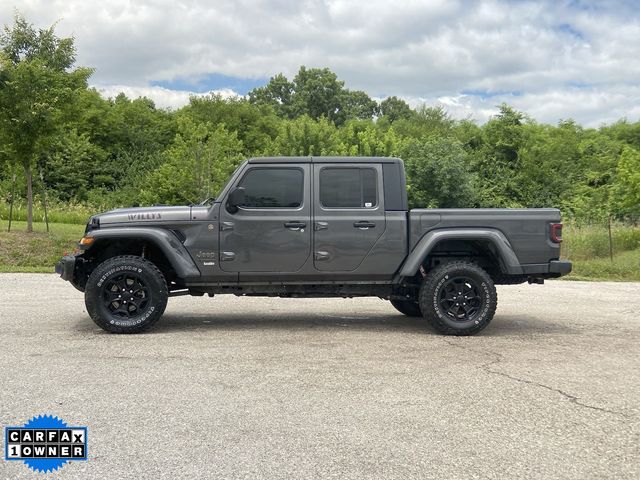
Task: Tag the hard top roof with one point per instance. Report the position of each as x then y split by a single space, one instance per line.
324 160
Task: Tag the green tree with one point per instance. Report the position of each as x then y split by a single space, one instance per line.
426 122
305 136
198 162
394 108
469 133
73 167
590 198
364 138
317 93
623 131
438 174
38 86
498 162
626 191
549 164
276 94
255 125
356 104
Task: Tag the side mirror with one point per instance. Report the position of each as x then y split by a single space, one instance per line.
236 199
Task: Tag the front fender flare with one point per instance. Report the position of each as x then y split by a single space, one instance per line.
165 240
509 262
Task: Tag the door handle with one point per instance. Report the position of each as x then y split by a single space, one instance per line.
364 225
295 225
227 256
320 226
320 256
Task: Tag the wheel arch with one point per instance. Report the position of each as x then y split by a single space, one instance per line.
160 246
491 242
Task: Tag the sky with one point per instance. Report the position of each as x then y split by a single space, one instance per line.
554 60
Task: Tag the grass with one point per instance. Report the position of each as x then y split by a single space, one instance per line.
586 246
63 214
36 252
624 268
592 241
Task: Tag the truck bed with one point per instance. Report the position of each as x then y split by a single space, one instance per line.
526 228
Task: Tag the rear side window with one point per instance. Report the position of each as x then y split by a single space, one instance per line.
273 187
348 187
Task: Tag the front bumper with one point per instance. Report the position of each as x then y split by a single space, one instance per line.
66 267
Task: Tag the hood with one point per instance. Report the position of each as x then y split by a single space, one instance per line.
144 215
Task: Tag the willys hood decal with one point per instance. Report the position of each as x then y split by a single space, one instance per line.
145 214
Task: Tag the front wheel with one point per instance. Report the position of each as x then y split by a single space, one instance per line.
458 298
126 294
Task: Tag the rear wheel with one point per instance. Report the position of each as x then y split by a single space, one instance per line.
408 307
458 298
126 294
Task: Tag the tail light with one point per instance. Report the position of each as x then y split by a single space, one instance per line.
556 232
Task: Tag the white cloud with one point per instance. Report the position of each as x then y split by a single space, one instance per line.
592 107
162 97
555 59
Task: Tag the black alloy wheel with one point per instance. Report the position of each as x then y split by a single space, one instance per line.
458 298
126 294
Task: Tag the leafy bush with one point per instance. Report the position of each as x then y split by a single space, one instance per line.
438 174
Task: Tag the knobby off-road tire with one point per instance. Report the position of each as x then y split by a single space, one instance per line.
408 307
126 294
458 298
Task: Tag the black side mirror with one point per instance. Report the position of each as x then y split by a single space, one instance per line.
236 199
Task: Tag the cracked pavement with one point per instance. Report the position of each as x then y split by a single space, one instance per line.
318 388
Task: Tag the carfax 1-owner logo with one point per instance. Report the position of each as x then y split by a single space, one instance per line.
45 443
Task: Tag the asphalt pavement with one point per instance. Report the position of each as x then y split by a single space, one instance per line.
255 388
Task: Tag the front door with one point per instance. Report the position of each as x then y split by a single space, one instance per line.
349 214
271 232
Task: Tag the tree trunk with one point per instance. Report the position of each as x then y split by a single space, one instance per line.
27 171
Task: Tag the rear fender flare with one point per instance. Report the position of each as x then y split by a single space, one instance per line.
509 262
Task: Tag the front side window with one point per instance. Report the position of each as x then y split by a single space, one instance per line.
348 187
273 188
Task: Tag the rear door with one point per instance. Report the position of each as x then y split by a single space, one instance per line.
270 233
349 214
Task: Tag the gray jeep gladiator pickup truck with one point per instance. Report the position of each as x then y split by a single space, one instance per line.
313 227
